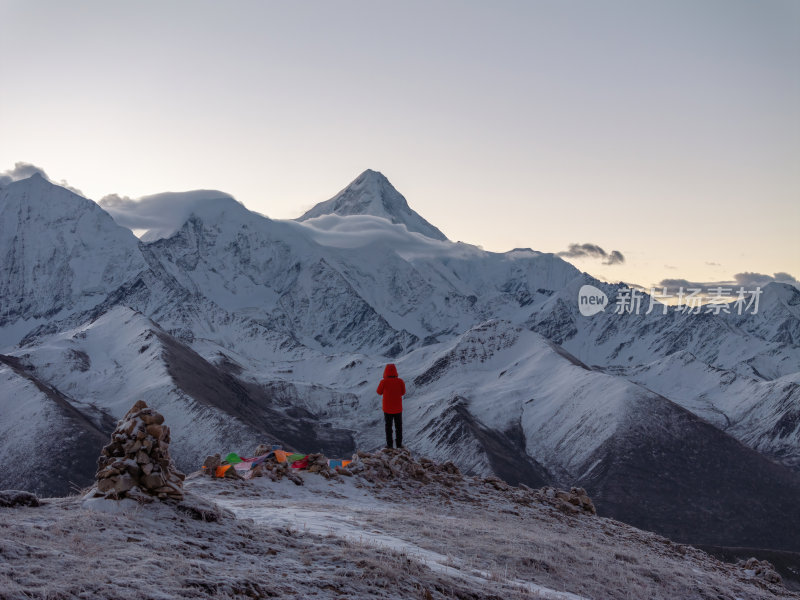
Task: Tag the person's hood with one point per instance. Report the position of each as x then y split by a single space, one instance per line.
390 370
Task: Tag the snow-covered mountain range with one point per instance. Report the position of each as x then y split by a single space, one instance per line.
238 327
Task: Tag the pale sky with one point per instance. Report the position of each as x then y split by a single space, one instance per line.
666 130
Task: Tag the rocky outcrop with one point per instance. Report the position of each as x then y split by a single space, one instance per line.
10 498
576 500
136 464
397 465
760 569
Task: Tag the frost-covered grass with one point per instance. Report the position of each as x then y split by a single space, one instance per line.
348 539
65 551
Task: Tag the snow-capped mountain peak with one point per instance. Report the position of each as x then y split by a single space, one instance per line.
371 193
62 254
785 294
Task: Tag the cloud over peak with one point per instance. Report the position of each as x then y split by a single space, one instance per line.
161 214
24 170
614 257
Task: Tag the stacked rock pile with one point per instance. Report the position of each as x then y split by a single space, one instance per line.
276 471
136 464
399 465
317 463
213 462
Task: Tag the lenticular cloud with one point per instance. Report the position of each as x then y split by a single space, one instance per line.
160 214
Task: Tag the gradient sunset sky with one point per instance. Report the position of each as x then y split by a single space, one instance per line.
668 131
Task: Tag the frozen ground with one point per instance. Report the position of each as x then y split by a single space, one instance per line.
349 538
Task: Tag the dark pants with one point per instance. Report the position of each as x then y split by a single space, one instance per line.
398 428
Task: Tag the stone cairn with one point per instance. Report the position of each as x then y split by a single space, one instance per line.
136 464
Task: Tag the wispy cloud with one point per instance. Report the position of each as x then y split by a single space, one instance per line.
363 231
755 279
23 170
614 257
747 280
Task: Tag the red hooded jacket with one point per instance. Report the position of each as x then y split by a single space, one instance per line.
392 388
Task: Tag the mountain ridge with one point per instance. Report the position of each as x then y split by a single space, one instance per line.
301 316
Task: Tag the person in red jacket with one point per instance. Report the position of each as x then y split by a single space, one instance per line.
392 388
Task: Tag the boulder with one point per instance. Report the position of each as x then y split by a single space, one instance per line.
153 481
151 417
123 483
10 498
156 431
